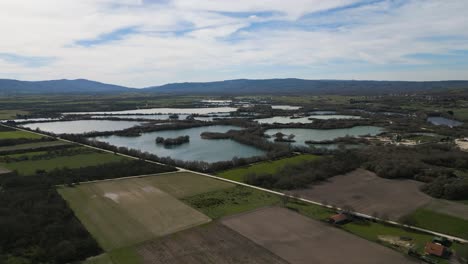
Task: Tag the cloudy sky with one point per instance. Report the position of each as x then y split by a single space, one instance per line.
149 42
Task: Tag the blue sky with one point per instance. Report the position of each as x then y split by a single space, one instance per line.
141 43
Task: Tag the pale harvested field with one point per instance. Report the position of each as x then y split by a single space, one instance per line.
3 171
213 243
301 240
463 145
125 212
186 184
367 193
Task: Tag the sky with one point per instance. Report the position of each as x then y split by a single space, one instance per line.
140 43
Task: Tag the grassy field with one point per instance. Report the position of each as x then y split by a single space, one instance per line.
371 231
119 256
231 201
310 210
33 146
29 167
125 212
185 184
440 222
264 167
18 134
11 114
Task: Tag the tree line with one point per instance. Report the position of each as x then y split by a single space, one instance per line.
301 175
36 224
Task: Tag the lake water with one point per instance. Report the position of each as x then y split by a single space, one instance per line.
304 134
322 112
34 119
148 117
328 116
286 107
200 111
81 126
442 121
302 120
197 149
165 117
283 120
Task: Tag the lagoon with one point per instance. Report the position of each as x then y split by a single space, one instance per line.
442 121
81 126
197 149
200 111
305 134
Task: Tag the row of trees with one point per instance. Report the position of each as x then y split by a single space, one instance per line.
173 141
305 173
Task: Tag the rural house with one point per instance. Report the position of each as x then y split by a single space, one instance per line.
339 219
436 250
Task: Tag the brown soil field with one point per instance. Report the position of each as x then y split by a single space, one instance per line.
301 240
213 243
367 193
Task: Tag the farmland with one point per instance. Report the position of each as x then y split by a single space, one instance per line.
213 243
270 167
440 222
231 201
11 114
185 184
122 213
364 192
33 146
298 239
18 134
29 167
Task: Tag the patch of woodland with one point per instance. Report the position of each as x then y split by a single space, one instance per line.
36 224
435 164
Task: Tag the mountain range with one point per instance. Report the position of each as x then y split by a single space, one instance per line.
229 87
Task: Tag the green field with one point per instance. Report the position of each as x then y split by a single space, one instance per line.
29 167
118 256
440 222
11 114
310 210
18 134
33 146
125 212
231 201
185 184
268 167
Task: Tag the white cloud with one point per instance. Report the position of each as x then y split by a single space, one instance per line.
212 45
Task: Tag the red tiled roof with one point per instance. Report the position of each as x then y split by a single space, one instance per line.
338 218
434 249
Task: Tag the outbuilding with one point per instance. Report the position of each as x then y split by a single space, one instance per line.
436 250
339 219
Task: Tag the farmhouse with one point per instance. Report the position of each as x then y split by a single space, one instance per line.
339 219
436 250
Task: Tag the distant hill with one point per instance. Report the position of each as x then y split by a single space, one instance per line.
231 87
299 86
15 87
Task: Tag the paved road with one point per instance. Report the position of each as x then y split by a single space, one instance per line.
461 240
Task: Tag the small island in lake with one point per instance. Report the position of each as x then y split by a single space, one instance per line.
173 141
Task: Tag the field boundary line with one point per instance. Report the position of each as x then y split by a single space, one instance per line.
120 179
369 217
